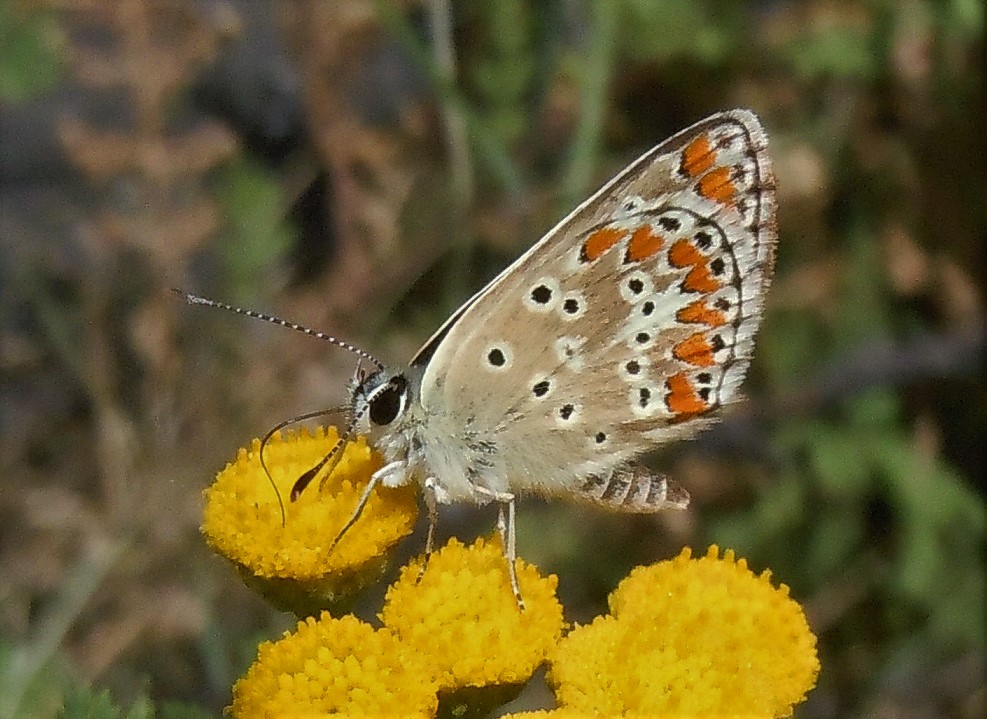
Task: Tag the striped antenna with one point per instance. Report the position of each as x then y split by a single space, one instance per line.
196 300
270 435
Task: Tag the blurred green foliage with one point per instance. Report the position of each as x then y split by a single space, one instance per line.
30 62
257 237
663 30
30 691
846 53
502 66
92 704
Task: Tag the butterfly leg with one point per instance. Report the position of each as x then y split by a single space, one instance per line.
507 538
360 505
433 518
392 475
505 527
433 515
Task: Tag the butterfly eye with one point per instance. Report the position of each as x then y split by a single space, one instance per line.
386 405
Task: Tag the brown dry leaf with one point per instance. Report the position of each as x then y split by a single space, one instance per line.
957 293
907 263
167 234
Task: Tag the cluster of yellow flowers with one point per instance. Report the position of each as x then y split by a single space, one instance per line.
685 637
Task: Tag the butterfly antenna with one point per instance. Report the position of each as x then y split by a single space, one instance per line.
196 300
270 434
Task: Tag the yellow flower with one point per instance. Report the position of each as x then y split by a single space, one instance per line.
690 638
462 617
550 714
684 638
340 666
579 714
458 629
295 564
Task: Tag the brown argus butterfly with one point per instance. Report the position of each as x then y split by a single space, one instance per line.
626 326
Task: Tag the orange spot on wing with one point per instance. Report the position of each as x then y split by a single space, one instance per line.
717 186
601 241
682 398
699 313
695 350
644 244
684 254
697 157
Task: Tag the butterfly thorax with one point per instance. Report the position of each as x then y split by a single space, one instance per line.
422 445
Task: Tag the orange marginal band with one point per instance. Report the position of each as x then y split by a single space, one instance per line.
682 398
698 313
601 241
696 350
644 244
717 186
684 254
697 157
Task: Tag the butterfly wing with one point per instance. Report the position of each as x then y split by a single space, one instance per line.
627 325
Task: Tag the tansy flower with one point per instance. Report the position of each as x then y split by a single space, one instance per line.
338 666
448 636
294 564
462 618
684 638
690 638
578 714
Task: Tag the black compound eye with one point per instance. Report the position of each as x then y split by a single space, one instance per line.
386 405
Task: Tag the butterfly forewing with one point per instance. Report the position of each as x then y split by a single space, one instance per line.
627 325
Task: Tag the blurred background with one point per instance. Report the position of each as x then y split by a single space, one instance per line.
363 167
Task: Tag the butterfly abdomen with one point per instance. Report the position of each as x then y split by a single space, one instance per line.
633 488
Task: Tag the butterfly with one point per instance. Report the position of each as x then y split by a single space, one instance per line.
627 326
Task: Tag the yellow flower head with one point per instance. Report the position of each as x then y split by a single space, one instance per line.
338 666
463 620
579 714
552 714
690 638
687 637
458 629
295 564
